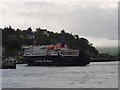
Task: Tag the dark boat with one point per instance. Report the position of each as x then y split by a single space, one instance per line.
54 55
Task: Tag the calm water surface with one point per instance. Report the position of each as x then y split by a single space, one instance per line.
95 75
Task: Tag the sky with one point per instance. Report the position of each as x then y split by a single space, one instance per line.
96 21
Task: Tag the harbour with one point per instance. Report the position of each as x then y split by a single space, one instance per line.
59 45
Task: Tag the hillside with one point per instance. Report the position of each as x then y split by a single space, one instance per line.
13 39
110 50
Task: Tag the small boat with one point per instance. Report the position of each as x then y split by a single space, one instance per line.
9 63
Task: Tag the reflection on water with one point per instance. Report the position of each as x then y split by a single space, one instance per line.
95 75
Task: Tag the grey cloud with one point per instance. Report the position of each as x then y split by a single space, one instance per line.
97 20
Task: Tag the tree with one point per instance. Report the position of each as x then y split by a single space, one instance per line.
29 30
73 41
76 36
63 31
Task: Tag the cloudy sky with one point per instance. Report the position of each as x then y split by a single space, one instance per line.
96 21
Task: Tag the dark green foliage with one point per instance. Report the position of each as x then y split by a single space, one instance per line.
14 39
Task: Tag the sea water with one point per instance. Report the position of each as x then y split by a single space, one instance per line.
94 75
